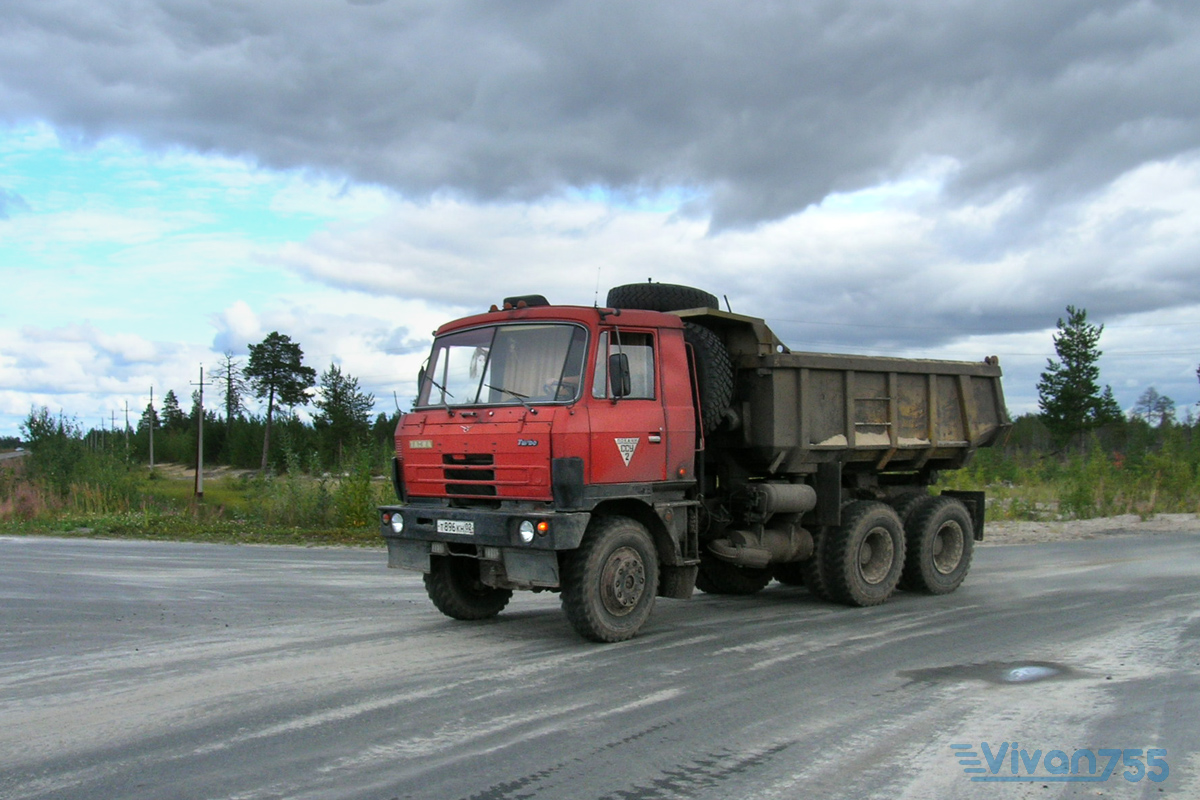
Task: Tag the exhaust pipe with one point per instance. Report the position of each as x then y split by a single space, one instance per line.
758 550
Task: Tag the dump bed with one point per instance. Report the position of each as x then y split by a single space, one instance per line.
793 411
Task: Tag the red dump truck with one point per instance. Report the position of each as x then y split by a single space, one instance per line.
659 444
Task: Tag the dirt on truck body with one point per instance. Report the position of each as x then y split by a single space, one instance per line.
658 444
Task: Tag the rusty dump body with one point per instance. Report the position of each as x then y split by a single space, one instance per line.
793 411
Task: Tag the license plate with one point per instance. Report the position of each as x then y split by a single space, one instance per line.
455 526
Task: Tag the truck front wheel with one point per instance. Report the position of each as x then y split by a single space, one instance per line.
864 557
610 582
454 587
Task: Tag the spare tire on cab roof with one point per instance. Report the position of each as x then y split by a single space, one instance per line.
659 297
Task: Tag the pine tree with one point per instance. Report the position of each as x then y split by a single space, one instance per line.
149 418
1069 392
172 415
344 410
277 374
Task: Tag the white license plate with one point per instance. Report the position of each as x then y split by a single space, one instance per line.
455 526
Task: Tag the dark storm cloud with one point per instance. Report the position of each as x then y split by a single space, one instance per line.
761 109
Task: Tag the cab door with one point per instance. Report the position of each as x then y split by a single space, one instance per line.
628 436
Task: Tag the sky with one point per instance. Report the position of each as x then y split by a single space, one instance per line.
895 177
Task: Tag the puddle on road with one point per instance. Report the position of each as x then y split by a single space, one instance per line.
1003 673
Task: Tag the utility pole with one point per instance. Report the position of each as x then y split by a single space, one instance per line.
126 428
200 439
152 427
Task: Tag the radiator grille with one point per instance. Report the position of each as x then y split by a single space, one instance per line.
469 474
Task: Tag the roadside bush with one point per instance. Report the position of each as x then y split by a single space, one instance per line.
356 496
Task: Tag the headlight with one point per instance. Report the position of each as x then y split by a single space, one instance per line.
397 523
526 531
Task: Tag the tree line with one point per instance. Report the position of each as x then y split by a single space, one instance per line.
275 373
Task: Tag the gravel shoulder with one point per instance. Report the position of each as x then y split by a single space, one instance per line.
1009 532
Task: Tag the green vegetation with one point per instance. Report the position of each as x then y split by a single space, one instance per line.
1125 467
64 488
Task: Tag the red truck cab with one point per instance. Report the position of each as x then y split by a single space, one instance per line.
532 421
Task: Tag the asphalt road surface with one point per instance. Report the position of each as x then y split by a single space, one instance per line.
158 670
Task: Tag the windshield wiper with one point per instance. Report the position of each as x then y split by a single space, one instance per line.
521 398
445 393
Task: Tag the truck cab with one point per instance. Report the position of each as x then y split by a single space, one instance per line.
530 422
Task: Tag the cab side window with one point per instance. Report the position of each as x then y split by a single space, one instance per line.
639 349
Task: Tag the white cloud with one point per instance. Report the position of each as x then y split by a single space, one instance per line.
237 327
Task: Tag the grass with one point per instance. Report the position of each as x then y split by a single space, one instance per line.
63 489
1096 483
247 509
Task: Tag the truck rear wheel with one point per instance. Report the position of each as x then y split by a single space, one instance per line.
610 582
814 577
941 541
454 587
721 577
864 558
659 297
907 503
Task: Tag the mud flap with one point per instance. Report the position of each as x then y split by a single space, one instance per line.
408 554
531 567
677 583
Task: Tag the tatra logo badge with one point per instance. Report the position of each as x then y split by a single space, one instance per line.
627 447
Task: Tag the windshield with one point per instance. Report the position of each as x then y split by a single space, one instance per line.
505 364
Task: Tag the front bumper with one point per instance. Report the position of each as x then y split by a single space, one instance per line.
493 527
495 539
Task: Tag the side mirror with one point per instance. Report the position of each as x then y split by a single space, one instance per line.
620 382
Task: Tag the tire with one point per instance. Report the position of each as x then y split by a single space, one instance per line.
812 569
906 503
721 577
454 587
714 374
864 557
610 582
941 541
789 574
659 297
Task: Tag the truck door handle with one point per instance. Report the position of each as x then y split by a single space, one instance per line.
655 438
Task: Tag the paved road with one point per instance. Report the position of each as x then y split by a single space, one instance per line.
156 670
